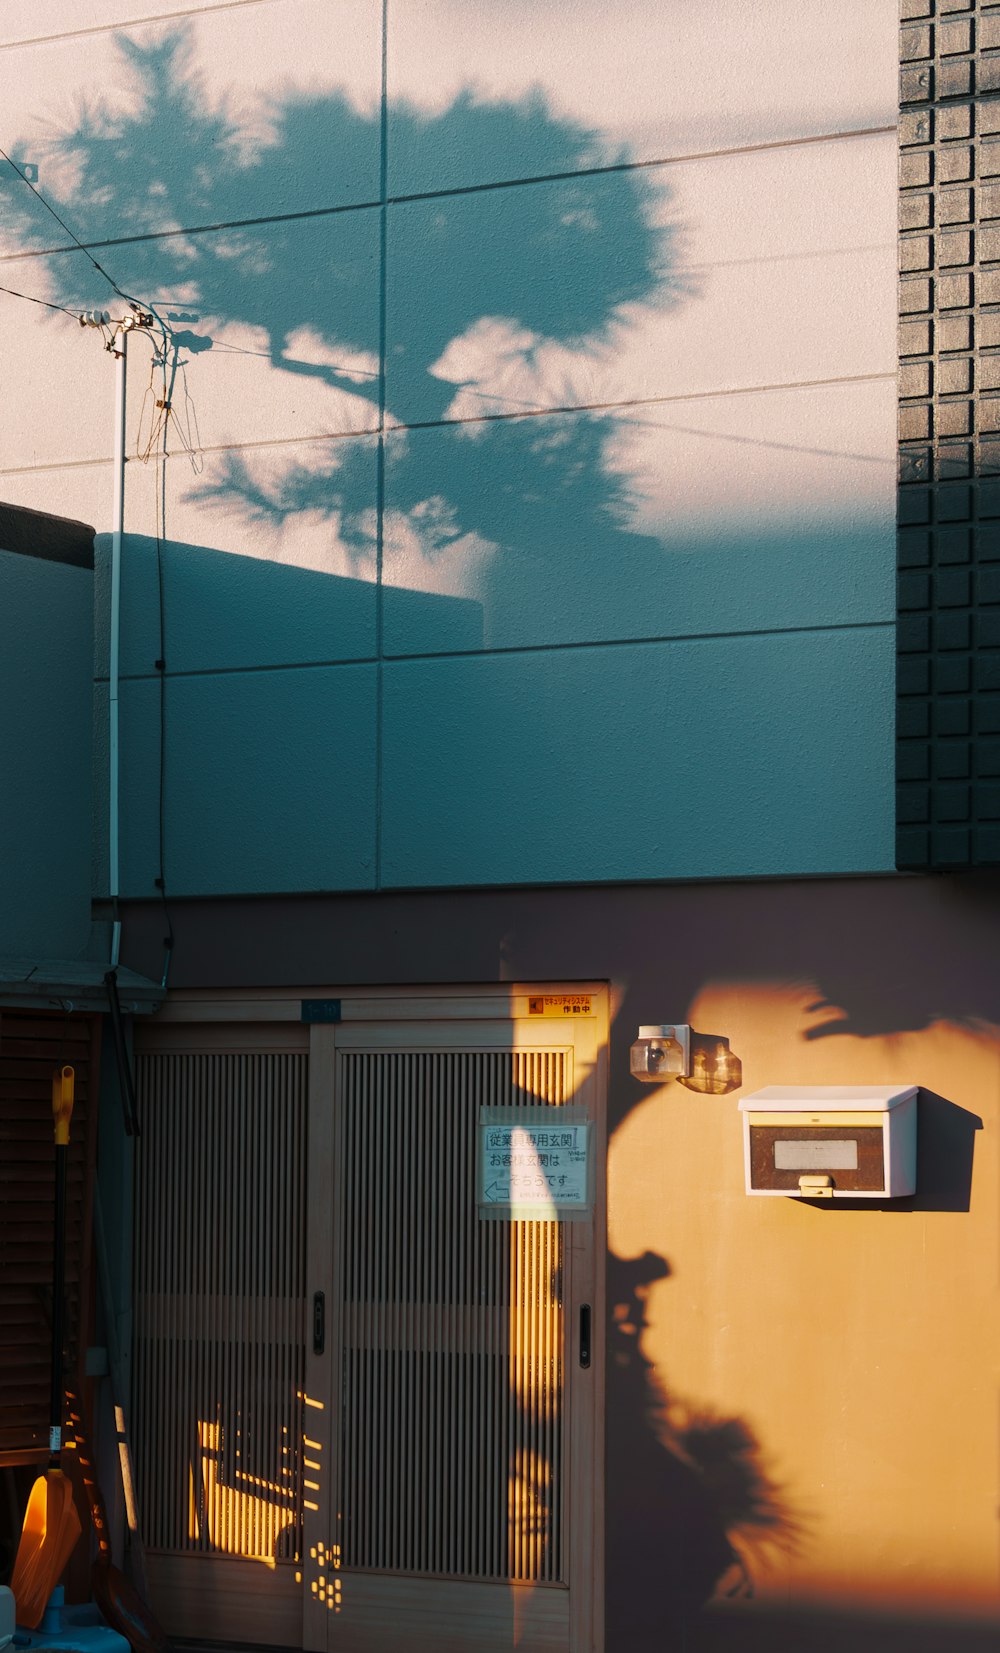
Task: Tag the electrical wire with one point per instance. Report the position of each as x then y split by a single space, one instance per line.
158 408
65 227
47 303
129 298
161 415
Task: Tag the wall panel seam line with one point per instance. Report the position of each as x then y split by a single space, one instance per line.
135 23
561 411
444 194
786 258
512 649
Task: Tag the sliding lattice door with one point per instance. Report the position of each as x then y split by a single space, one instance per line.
452 1330
219 1345
360 1415
457 1488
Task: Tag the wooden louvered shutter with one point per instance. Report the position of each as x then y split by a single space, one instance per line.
32 1044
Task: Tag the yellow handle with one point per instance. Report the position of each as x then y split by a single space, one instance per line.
63 1082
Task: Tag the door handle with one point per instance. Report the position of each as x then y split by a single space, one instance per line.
319 1322
584 1335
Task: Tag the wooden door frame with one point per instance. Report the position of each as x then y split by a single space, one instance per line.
499 1006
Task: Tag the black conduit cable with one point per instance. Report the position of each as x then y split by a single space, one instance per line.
160 530
126 1085
161 665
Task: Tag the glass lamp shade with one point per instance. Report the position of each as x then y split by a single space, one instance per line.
656 1057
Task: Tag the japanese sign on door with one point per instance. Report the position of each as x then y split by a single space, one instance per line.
534 1164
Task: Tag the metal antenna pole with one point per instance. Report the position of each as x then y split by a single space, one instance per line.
118 527
118 345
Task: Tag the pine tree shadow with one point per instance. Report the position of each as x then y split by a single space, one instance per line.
699 1514
224 228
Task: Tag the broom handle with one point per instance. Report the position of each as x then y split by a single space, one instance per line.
58 1287
63 1084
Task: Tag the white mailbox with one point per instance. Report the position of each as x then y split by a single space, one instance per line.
853 1142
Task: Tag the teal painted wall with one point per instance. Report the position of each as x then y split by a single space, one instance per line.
539 518
46 653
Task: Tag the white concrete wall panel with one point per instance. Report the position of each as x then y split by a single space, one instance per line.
430 416
507 761
641 83
249 754
725 514
28 21
46 644
241 587
277 335
751 269
208 114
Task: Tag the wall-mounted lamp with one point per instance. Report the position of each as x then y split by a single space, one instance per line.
662 1051
699 1061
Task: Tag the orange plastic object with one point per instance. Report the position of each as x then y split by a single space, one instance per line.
48 1536
63 1087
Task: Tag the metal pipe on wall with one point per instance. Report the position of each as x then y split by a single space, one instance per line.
118 528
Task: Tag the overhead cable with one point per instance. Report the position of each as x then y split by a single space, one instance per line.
31 299
112 283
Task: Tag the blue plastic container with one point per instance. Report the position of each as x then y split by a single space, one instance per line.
80 1628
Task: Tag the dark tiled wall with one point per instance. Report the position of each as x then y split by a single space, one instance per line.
948 683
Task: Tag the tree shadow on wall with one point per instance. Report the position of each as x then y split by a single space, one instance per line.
563 267
547 279
697 1512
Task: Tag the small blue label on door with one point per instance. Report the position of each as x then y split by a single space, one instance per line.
321 1010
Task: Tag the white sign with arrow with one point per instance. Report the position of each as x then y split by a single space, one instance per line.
531 1168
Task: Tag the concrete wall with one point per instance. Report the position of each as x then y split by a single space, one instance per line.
46 655
577 322
816 1387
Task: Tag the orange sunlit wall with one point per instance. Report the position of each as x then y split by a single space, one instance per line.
851 1353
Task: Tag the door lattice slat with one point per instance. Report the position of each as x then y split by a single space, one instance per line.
220 1301
452 1328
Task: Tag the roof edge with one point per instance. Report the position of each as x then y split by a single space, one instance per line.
74 984
48 538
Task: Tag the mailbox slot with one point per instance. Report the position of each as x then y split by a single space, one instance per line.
780 1154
